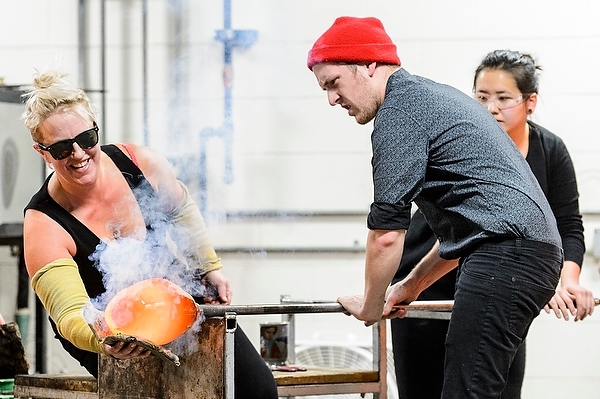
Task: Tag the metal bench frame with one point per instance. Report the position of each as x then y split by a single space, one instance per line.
80 387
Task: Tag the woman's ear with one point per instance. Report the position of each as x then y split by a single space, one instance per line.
44 154
531 103
37 148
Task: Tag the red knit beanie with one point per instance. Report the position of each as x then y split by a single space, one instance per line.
354 40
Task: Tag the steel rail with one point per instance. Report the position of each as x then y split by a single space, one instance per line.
312 307
297 307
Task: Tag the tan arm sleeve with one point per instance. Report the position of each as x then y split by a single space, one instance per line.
191 235
61 290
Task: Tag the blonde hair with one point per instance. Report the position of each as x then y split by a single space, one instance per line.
51 94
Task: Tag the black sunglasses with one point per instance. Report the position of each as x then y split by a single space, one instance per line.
64 148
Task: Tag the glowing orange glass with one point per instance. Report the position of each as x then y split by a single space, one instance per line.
155 310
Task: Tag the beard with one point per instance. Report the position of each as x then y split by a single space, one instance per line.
369 104
367 115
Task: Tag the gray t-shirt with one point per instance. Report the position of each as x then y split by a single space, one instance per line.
435 146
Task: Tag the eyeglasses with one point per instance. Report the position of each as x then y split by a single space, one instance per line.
64 148
502 102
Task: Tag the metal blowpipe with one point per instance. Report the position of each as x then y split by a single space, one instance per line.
316 307
320 307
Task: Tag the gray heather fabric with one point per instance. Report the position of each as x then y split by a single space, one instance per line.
434 145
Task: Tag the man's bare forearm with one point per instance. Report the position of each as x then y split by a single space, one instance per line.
430 269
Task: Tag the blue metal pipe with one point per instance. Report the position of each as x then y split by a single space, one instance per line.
230 39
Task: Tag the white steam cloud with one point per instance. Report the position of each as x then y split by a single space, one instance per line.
126 260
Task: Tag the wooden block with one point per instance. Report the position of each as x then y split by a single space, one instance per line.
56 386
200 375
12 353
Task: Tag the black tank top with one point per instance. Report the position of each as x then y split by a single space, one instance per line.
86 241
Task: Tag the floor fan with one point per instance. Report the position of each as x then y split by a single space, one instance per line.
344 356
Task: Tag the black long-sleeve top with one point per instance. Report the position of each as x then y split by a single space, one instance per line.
551 164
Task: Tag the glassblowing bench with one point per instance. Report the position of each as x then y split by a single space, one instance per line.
209 372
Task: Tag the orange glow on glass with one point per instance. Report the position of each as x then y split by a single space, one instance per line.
155 310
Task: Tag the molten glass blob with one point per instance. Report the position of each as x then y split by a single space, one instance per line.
155 310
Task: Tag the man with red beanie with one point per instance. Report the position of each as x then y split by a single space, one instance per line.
435 146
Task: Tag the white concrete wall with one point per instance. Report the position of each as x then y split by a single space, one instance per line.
292 152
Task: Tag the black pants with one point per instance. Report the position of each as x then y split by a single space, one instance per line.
419 353
252 377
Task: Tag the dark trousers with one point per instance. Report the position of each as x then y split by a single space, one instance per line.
419 353
253 379
501 287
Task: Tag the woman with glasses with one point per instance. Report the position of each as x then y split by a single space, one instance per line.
506 83
96 198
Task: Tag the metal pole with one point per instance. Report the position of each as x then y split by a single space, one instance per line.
40 337
324 307
145 71
229 355
104 129
81 53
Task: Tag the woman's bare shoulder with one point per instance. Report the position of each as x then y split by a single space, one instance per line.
44 241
